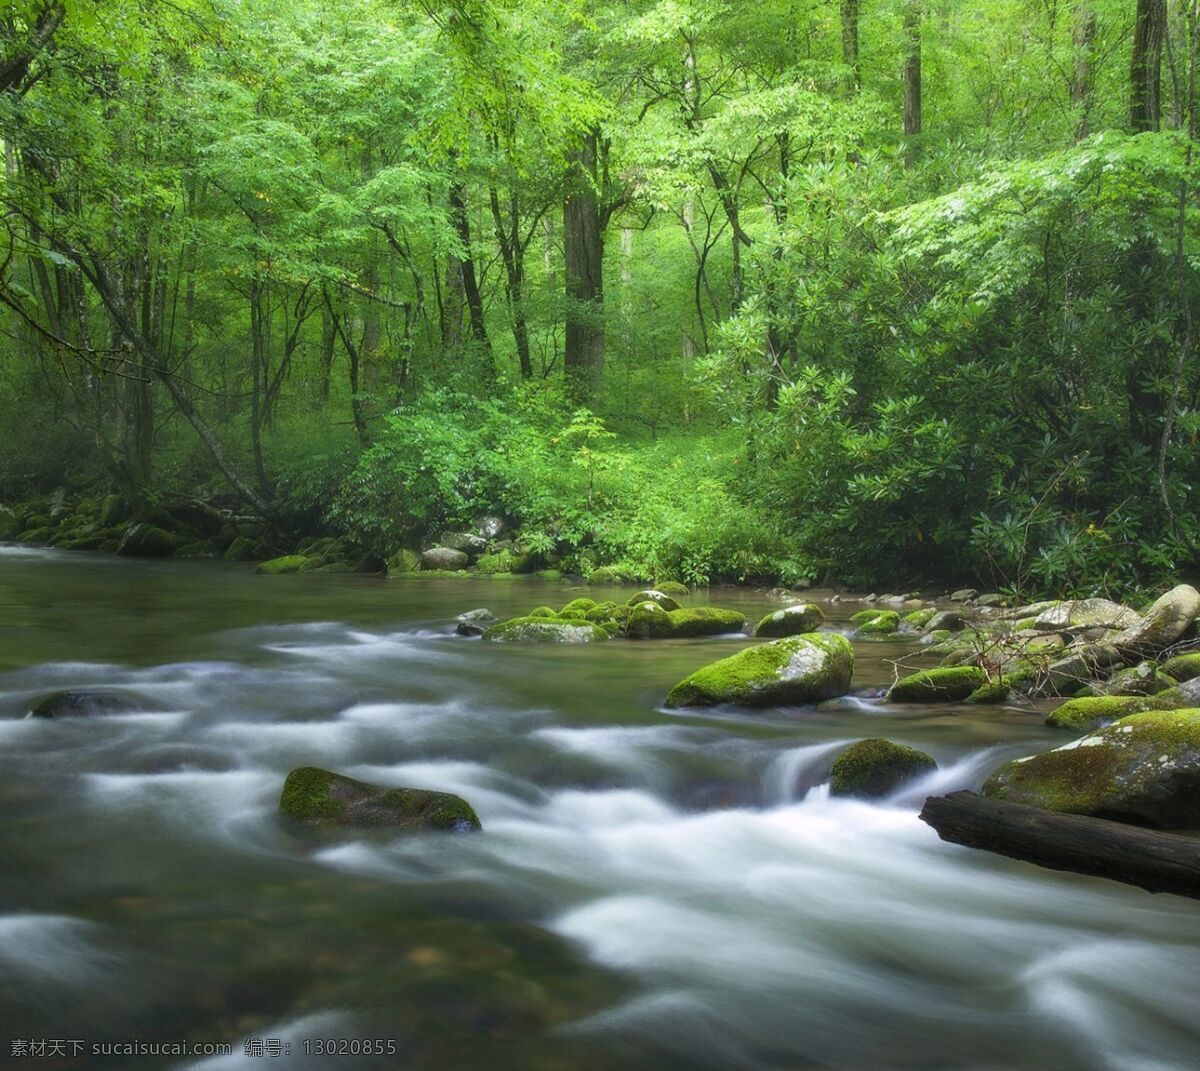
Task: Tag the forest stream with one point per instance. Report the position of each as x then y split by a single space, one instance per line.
651 889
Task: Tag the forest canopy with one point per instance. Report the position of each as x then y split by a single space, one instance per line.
898 290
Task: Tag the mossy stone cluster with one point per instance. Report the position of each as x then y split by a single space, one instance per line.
877 767
795 669
1144 768
790 621
649 621
320 797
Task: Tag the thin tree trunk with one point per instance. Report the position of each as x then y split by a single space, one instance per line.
850 39
1083 37
912 78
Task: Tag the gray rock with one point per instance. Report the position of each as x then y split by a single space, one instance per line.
446 558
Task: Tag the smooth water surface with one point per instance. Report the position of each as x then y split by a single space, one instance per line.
652 889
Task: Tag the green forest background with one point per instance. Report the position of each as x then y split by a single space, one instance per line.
896 290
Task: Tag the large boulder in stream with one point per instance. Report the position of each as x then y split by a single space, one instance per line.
544 630
1143 769
649 621
1162 623
796 669
445 559
877 767
791 621
322 798
82 705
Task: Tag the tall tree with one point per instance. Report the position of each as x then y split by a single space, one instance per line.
1145 69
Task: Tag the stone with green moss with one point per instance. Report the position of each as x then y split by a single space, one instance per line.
602 611
544 630
1091 712
1144 768
790 621
578 606
883 623
322 798
242 549
877 767
542 611
918 618
653 595
649 621
1184 667
1143 679
289 563
864 615
403 561
946 621
672 587
937 685
992 692
548 574
795 669
1162 623
605 574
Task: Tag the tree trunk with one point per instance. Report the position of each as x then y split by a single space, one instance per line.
850 39
1083 36
912 78
1145 71
583 242
466 265
1149 859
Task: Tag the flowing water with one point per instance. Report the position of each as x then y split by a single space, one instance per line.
652 889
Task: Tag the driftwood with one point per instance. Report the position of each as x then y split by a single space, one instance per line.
1148 858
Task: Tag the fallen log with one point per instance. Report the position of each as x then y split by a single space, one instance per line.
1147 858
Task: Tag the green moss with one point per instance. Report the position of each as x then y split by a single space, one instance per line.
605 574
883 623
649 621
877 767
504 561
289 563
545 630
864 615
992 692
549 574
790 621
796 669
937 685
1142 768
601 612
1090 712
578 606
403 561
542 611
653 595
919 618
320 797
672 587
1183 667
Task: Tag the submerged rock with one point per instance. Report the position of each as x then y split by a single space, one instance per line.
1143 769
877 767
544 630
796 669
83 705
320 797
444 558
289 563
938 685
791 621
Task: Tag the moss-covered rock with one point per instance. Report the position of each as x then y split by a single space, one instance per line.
1085 614
877 767
144 540
649 621
605 574
1184 667
653 595
113 510
242 549
996 691
544 630
403 561
1143 679
322 798
578 606
937 685
602 611
542 611
790 621
444 559
918 618
289 563
82 705
672 587
1091 712
796 669
946 621
1144 768
549 574
503 561
203 548
883 623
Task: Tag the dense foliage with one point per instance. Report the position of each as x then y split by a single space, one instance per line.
680 288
